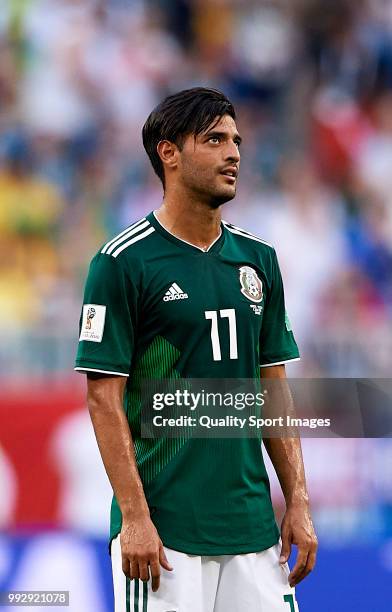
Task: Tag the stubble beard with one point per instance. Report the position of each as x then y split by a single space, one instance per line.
205 189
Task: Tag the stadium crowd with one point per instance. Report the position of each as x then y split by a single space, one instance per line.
312 85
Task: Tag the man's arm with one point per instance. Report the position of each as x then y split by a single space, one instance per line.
140 543
297 527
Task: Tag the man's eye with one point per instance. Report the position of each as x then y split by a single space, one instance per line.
214 139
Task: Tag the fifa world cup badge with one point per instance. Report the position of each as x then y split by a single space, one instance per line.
90 316
93 322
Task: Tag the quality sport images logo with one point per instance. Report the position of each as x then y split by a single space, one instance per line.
251 285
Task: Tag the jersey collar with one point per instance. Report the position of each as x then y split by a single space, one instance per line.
215 247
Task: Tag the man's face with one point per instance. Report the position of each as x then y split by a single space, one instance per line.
209 163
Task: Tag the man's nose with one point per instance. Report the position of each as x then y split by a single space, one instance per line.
232 152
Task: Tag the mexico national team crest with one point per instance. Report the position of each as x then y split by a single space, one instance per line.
251 285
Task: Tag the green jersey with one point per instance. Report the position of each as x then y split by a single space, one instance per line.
156 306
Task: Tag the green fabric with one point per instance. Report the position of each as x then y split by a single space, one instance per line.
136 596
127 594
145 596
175 311
290 600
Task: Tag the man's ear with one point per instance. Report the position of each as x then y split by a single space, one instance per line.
168 152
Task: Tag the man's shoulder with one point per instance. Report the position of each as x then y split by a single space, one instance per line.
248 240
134 240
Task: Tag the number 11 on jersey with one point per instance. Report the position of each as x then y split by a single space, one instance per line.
227 313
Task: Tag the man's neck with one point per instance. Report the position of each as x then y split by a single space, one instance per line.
194 222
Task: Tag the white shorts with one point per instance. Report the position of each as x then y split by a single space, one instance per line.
253 582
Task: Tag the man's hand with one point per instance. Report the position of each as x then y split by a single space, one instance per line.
142 551
297 528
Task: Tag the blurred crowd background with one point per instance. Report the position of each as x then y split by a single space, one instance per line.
312 85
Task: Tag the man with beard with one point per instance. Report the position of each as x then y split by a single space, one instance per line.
181 294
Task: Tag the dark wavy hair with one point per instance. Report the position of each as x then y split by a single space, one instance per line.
190 111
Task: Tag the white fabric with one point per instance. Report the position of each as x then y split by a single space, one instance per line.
253 582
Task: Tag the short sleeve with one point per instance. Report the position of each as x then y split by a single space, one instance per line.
277 343
108 319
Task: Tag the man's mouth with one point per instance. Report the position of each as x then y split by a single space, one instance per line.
230 173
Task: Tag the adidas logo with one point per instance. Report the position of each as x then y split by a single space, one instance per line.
174 293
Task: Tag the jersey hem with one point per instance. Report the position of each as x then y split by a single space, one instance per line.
267 365
202 550
83 369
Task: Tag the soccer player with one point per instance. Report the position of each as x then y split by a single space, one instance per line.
181 293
